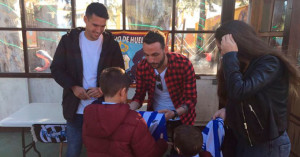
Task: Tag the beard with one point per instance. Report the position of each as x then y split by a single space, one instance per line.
161 62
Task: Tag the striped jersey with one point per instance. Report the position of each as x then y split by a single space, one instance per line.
213 135
156 123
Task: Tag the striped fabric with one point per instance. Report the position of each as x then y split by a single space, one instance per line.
156 123
49 133
213 135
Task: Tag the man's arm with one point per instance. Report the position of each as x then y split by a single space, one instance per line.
190 90
169 114
140 91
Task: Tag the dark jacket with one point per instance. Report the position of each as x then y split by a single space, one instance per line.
113 130
67 67
264 86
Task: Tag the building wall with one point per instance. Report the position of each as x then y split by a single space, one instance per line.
13 95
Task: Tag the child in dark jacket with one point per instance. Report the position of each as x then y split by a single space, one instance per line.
111 129
188 142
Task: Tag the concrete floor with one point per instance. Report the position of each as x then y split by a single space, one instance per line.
11 146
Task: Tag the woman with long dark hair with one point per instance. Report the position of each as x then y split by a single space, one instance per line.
254 83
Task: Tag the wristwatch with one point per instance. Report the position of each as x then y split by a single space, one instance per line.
175 114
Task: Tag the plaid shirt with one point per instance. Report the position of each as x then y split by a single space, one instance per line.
181 82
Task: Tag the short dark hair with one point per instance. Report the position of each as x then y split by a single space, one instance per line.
98 9
155 36
112 80
188 139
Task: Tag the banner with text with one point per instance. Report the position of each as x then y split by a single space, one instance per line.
131 44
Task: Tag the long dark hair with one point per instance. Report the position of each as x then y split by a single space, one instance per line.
250 46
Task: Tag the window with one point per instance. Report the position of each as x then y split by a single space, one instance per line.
29 36
11 52
10 14
201 49
273 18
242 10
191 18
148 14
41 46
198 15
48 14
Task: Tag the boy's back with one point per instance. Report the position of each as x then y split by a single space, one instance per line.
115 130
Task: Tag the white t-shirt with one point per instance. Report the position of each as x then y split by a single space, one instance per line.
90 54
162 99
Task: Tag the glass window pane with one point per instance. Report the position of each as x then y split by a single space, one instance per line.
41 48
11 52
169 42
48 14
279 15
276 42
114 8
198 14
10 13
242 10
273 21
148 14
201 49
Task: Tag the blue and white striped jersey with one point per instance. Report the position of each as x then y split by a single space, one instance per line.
213 136
156 123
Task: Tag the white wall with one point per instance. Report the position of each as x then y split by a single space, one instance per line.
16 92
207 100
44 90
13 95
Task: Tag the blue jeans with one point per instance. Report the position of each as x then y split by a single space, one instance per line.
74 136
278 147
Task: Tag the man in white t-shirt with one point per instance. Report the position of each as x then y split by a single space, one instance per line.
79 59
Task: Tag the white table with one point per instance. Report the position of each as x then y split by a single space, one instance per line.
34 113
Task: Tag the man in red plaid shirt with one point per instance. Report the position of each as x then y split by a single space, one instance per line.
170 81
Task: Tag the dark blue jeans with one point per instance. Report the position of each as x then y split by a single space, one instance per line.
278 147
74 136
